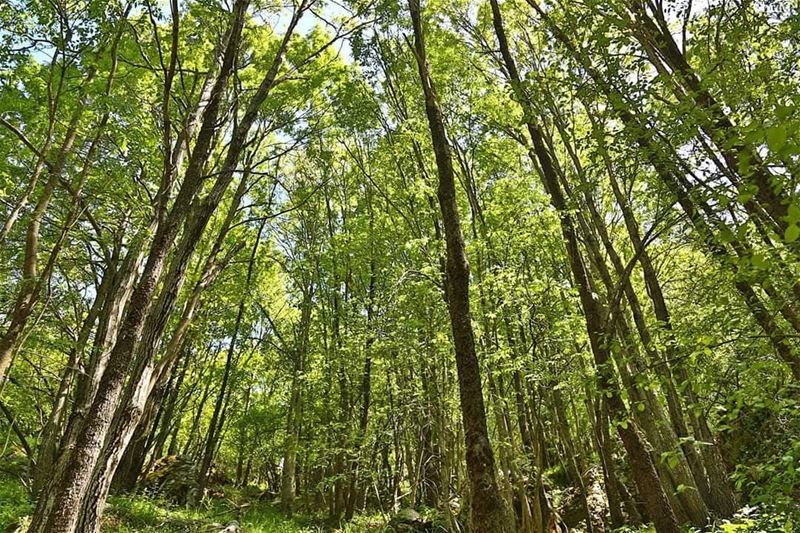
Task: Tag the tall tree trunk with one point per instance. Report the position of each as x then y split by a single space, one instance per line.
487 507
687 503
656 359
366 382
56 422
241 477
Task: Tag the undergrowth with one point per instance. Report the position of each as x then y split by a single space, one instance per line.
142 514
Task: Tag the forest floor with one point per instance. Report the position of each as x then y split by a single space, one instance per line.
141 514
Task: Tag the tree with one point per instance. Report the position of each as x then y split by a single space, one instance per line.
235 244
487 508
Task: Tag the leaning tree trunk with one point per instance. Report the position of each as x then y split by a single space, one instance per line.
721 497
32 282
638 449
662 50
668 171
217 421
58 511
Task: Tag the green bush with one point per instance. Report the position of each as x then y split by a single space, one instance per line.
14 503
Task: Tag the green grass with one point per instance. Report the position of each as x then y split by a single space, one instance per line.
127 514
141 514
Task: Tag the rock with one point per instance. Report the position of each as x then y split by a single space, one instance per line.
172 478
409 520
408 516
268 496
232 527
572 510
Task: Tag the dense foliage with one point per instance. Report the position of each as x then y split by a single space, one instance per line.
465 266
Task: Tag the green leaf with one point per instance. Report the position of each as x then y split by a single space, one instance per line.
784 111
726 235
792 233
759 261
793 216
776 138
672 461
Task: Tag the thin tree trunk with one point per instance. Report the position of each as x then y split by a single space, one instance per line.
241 479
366 387
721 497
289 472
714 122
643 136
31 285
215 426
